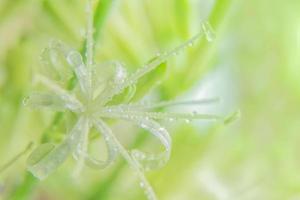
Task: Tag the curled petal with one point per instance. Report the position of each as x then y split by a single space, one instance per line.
82 72
130 159
110 144
153 161
110 75
54 62
47 157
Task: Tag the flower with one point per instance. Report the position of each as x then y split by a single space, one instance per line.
94 99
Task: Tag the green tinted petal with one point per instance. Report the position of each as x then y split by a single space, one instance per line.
54 61
47 158
46 100
116 75
75 60
150 161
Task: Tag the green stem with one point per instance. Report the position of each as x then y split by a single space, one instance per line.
16 158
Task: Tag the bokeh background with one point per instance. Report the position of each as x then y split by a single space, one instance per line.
252 65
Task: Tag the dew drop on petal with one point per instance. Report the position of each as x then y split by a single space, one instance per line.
191 44
25 101
142 184
171 119
74 58
208 31
187 121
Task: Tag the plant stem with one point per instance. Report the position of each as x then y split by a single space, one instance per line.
14 159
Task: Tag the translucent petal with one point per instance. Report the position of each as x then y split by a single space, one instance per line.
81 140
76 134
107 75
48 100
148 161
153 161
127 113
111 148
54 62
164 104
47 158
144 184
63 94
111 75
82 72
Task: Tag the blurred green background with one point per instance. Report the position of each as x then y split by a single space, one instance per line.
253 64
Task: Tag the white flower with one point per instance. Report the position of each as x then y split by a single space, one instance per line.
93 101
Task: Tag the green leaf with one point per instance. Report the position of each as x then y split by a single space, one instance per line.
149 81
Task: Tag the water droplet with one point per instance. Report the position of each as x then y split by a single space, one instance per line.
144 126
82 32
208 31
25 101
162 129
171 119
120 73
142 184
187 121
74 58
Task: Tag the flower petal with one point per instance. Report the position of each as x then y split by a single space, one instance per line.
153 161
111 75
82 72
127 113
47 158
131 161
48 100
106 75
54 62
164 104
63 94
111 148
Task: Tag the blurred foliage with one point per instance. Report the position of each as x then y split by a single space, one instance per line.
253 64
